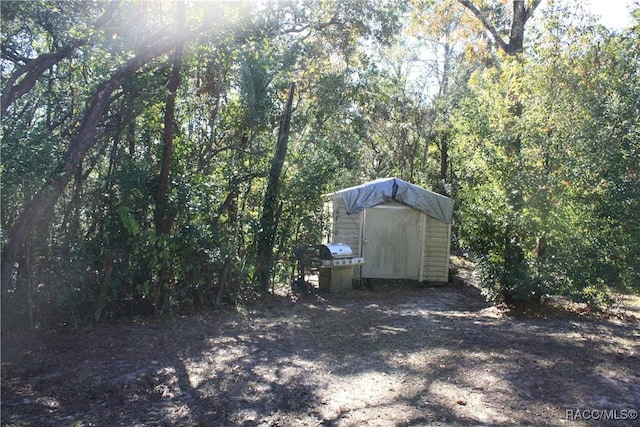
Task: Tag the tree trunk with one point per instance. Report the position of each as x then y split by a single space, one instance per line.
268 221
444 158
519 18
104 288
516 33
167 152
513 254
164 214
442 135
226 271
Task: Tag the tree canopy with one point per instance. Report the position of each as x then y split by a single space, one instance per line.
138 139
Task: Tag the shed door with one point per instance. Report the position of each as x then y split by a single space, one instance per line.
392 242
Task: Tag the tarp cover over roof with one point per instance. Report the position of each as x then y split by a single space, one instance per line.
386 190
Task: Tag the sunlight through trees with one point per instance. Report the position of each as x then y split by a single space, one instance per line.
138 138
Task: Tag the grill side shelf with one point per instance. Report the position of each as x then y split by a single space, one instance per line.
328 263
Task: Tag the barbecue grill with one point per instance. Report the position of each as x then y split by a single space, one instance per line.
336 266
337 254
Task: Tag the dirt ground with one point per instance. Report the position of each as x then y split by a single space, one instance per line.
388 357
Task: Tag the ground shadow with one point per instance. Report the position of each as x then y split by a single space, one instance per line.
410 356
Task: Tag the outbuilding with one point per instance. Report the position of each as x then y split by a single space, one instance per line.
402 231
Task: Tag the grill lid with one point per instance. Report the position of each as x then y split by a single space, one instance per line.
334 251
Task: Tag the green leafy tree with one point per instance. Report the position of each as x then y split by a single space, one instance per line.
139 149
572 152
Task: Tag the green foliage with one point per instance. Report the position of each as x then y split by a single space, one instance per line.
547 198
576 228
226 121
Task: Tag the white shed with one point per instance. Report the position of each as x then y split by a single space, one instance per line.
403 231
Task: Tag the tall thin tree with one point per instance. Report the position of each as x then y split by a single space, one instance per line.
270 211
164 214
513 255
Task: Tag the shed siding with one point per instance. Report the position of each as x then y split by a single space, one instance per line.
346 228
436 252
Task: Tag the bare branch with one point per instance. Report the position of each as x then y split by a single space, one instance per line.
485 22
334 21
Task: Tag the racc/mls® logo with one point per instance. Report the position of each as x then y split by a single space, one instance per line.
601 414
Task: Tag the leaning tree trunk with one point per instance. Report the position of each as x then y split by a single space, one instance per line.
82 140
24 78
269 220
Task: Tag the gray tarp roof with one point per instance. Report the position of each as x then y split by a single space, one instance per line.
385 190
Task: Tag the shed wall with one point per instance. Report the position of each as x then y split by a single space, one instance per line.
346 228
437 238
